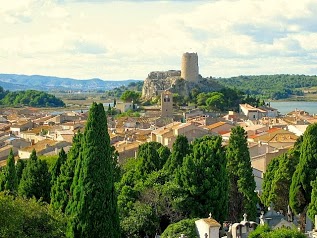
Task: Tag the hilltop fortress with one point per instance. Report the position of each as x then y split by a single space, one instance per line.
178 81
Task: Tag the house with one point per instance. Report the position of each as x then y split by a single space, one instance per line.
5 150
17 128
220 127
42 147
251 113
126 149
271 112
124 106
36 134
167 135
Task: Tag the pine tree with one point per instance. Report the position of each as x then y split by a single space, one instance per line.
10 176
56 169
60 191
242 195
93 205
203 179
35 179
305 173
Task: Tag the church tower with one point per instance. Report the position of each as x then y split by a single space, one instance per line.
166 104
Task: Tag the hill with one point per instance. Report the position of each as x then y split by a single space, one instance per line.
277 86
14 82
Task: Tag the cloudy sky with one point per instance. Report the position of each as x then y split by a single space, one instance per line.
128 39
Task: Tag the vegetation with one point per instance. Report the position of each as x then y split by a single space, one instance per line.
35 181
130 96
22 218
285 85
186 226
305 173
93 205
242 196
266 232
9 180
29 98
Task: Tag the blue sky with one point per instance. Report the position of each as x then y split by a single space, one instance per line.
128 39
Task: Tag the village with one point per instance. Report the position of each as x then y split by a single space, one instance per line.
269 135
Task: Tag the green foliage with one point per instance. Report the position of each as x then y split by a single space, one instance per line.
179 152
149 158
31 98
260 231
129 96
10 176
242 186
129 113
19 167
284 85
203 179
56 168
35 181
277 180
306 171
22 218
60 191
266 232
186 227
93 205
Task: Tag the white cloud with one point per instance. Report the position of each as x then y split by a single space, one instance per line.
128 39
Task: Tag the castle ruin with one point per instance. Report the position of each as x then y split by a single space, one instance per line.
178 81
189 67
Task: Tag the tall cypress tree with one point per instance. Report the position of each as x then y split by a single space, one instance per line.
56 169
19 167
10 176
93 206
60 192
179 151
305 173
35 179
203 179
242 195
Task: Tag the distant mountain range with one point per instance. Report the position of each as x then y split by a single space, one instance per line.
14 82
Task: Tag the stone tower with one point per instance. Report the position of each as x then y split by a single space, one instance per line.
166 104
189 69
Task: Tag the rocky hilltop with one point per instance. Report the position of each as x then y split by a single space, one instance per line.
171 80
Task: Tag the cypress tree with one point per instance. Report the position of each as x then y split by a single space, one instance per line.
93 205
35 179
305 173
19 167
242 195
179 151
60 192
56 169
10 176
149 158
203 179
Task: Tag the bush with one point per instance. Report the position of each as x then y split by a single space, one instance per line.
266 232
22 218
186 227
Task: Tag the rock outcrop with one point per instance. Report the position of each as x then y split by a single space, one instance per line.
158 81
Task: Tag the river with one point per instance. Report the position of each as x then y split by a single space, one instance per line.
288 106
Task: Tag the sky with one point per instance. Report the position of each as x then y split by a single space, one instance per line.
117 40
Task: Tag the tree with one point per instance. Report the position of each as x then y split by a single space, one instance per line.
242 195
305 173
93 205
22 218
277 180
35 179
19 167
56 168
215 101
10 176
186 226
129 96
203 179
179 152
60 191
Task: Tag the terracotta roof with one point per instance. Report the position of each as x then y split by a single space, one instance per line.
251 108
37 130
40 145
215 125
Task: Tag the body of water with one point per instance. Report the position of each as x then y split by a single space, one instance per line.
288 106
